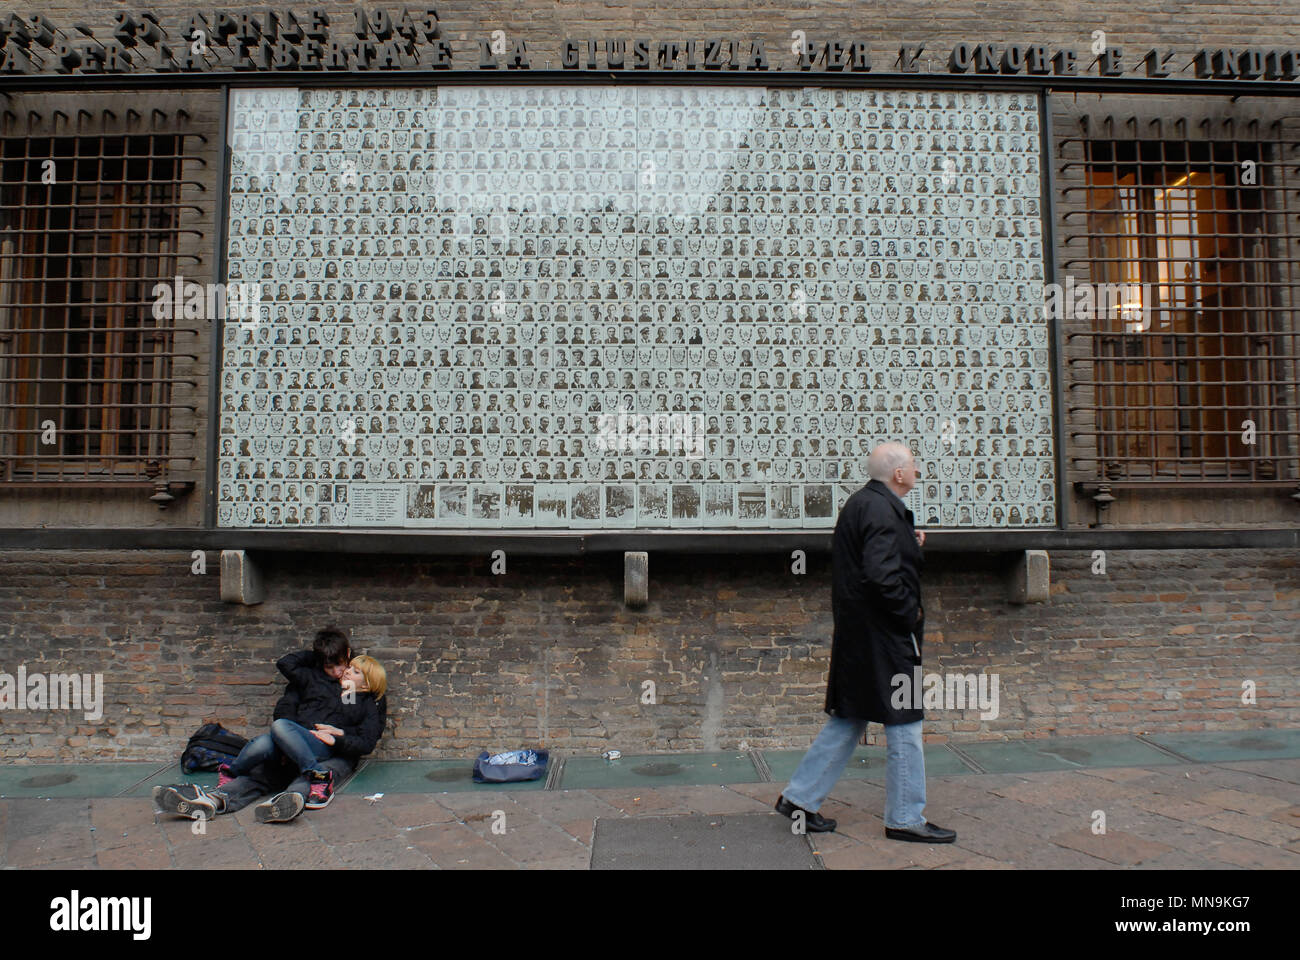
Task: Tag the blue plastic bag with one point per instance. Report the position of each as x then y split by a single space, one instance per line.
512 767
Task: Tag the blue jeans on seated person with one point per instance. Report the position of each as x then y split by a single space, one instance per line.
300 745
287 738
825 760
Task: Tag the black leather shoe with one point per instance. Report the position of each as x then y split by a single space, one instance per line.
813 822
926 833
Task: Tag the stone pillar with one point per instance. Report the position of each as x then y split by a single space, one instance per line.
636 578
241 581
1030 578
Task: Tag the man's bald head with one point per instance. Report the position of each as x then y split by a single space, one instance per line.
885 459
884 462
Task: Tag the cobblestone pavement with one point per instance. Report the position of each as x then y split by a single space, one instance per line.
1204 816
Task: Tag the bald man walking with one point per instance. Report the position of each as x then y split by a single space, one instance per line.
879 627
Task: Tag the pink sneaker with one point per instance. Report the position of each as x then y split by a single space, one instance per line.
322 789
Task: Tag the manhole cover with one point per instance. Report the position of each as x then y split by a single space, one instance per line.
446 776
49 780
658 769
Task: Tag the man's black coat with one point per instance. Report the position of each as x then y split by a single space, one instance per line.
876 602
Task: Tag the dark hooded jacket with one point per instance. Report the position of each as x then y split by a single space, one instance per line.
321 700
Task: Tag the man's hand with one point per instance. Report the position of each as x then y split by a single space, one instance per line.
326 728
323 737
920 537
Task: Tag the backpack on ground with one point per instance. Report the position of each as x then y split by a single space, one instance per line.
211 746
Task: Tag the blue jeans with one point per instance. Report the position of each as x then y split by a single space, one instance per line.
287 738
825 760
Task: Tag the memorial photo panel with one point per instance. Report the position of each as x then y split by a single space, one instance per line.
587 307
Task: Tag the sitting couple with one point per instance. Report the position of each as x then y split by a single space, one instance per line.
331 714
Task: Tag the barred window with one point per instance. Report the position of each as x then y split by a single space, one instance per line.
1194 366
90 224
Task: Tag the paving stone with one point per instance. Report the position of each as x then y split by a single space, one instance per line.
1251 803
1062 791
762 792
1254 856
714 799
578 859
1252 828
867 794
230 853
834 840
657 802
855 822
943 794
988 782
44 831
1124 816
1132 775
582 830
263 837
76 863
1049 856
1173 807
300 856
121 822
884 854
1286 815
1025 817
474 803
1181 860
413 810
389 853
1114 846
453 846
1287 769
528 839
565 805
996 842
136 856
344 822
1209 777
973 861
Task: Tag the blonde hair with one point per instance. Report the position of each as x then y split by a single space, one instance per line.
376 676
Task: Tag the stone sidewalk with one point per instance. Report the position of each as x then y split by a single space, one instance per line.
1237 815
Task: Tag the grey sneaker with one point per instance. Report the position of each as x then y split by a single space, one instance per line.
187 800
281 808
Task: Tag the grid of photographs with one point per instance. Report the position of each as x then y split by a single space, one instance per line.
607 306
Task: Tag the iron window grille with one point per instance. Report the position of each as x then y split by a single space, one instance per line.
1188 376
90 225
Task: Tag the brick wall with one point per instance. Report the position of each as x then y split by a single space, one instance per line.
547 654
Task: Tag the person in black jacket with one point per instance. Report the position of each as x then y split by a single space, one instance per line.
879 630
276 774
